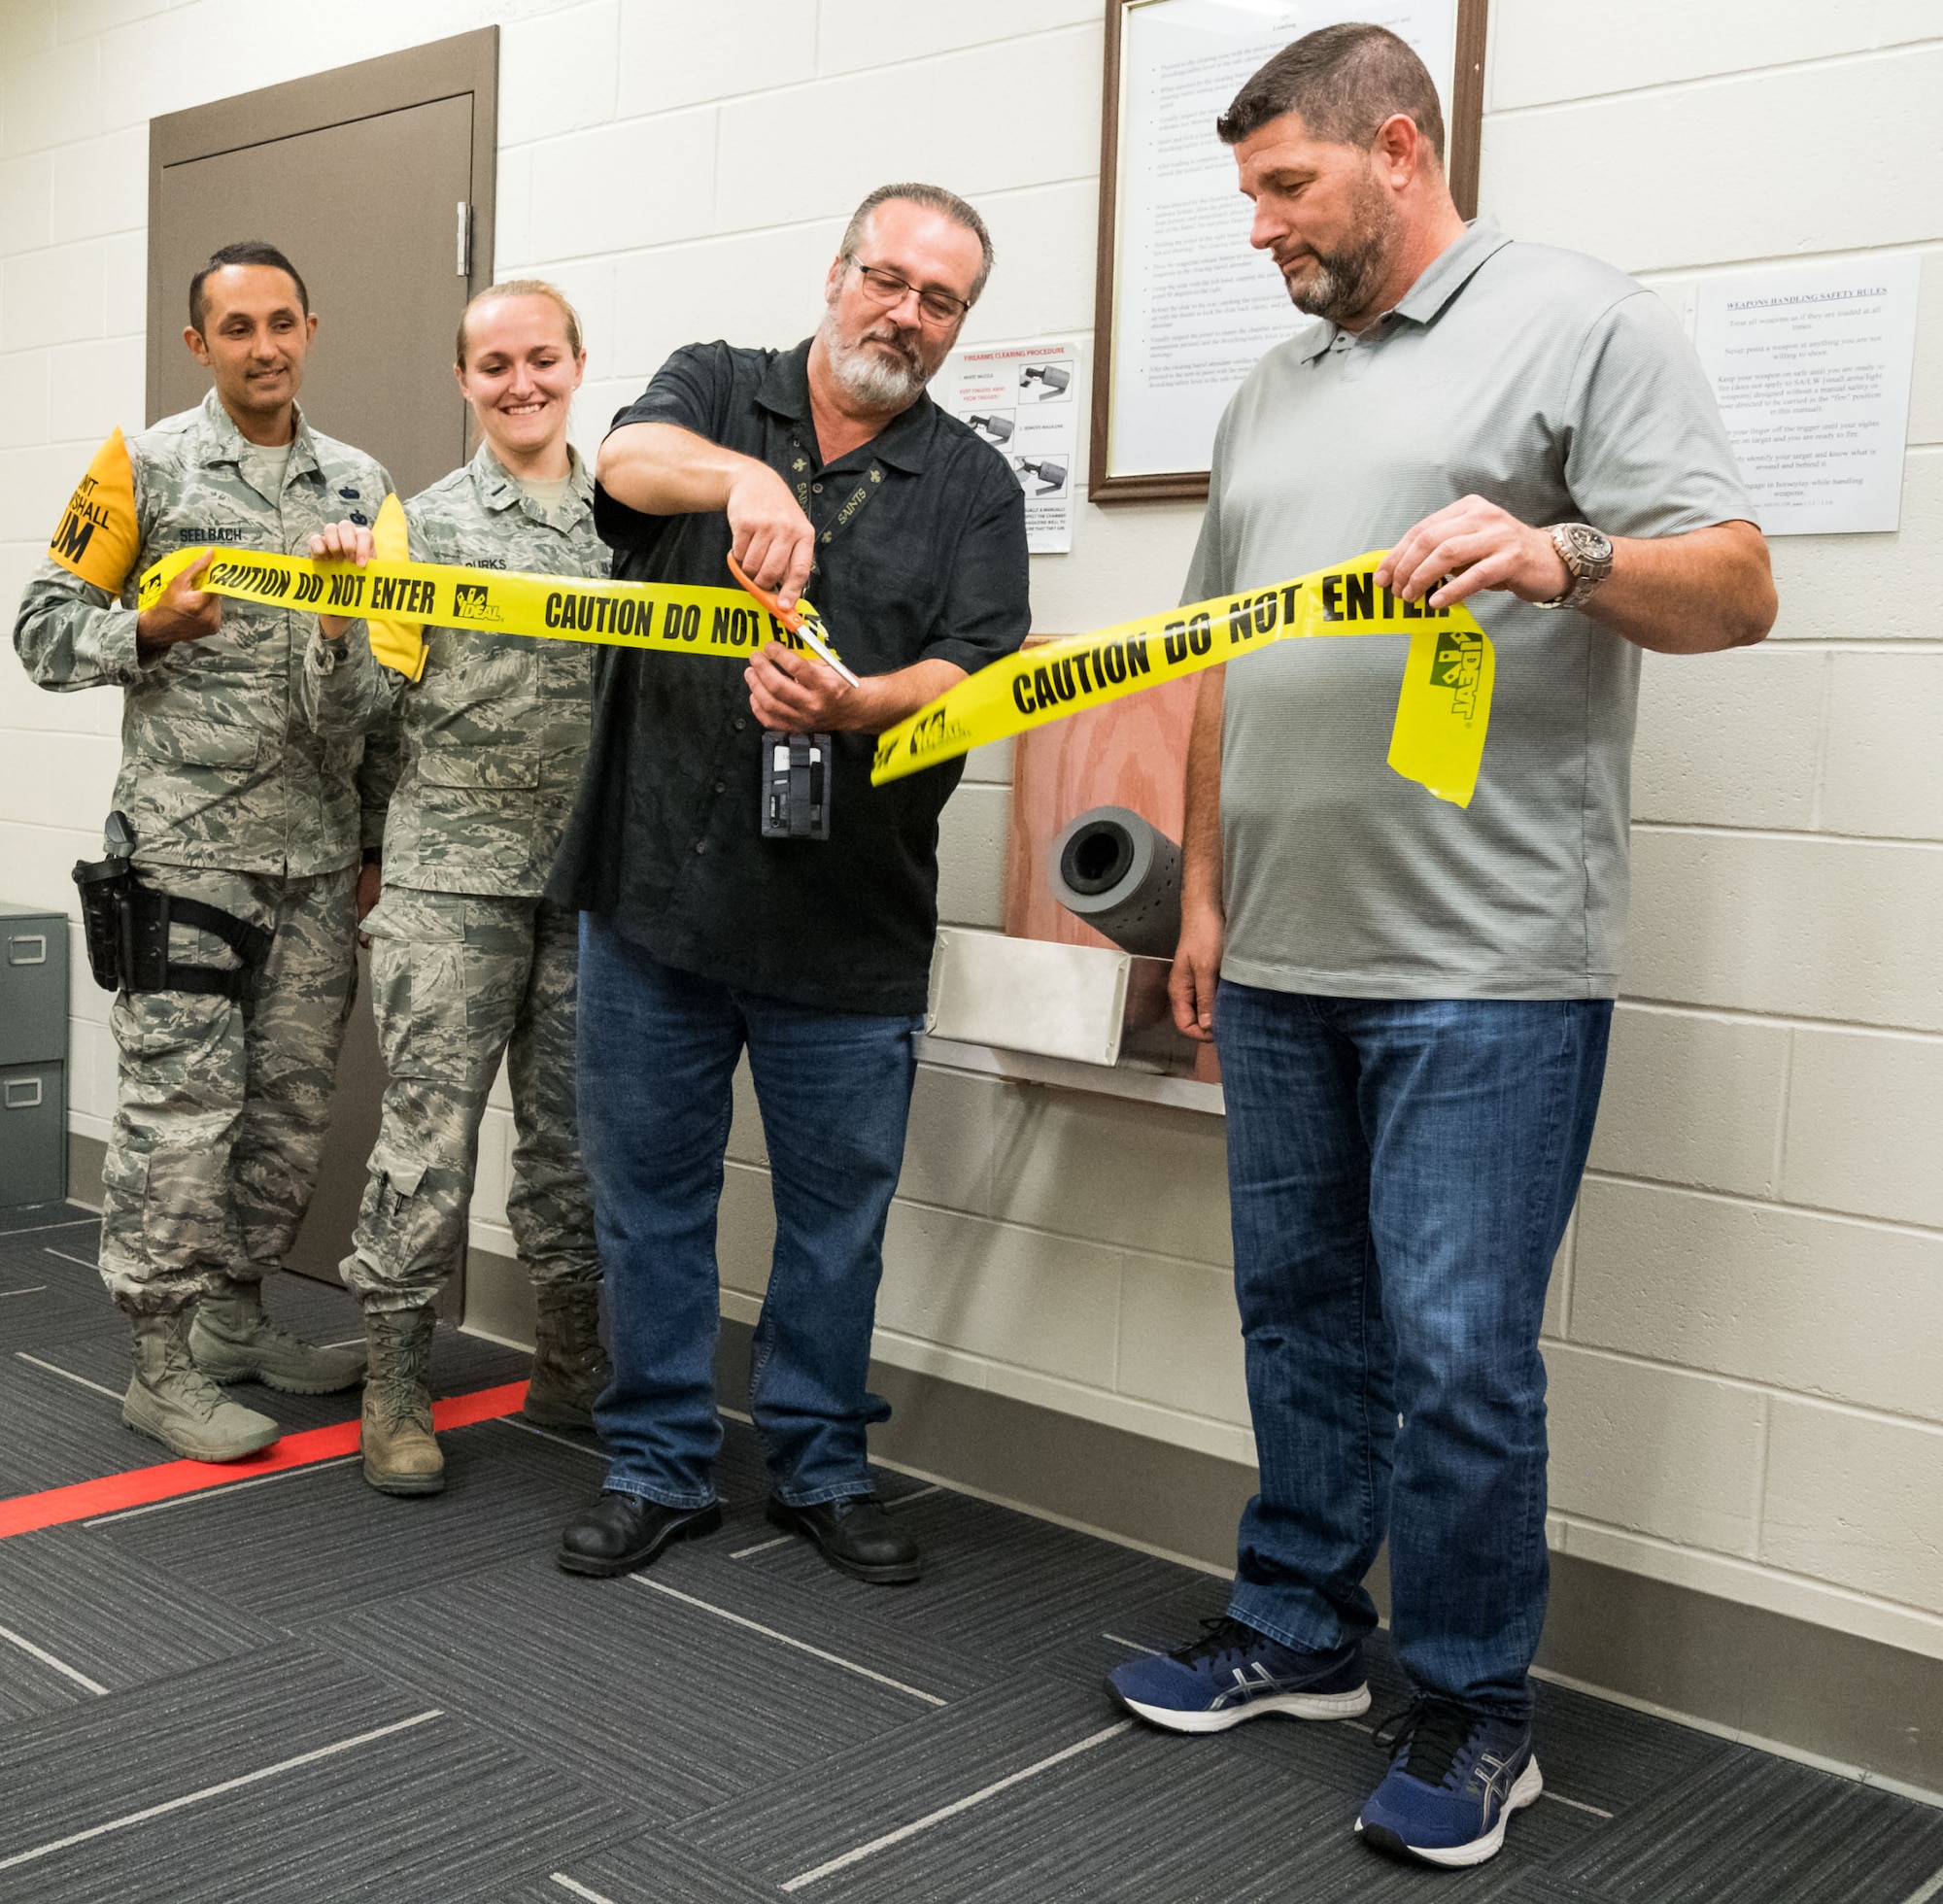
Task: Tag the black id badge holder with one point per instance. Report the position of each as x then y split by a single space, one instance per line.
796 766
796 786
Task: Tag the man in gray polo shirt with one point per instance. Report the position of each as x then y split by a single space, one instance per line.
1411 998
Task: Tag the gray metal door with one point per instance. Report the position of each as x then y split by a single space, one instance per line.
381 259
376 181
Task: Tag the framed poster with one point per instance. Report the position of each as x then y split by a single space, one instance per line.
1812 364
1184 307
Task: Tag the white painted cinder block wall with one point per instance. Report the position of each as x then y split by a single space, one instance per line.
1748 1382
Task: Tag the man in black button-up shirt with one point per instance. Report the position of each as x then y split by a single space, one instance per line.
824 470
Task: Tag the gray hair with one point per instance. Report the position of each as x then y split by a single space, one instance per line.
933 198
1345 81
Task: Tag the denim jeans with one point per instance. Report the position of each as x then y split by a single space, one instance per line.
658 1054
1400 1172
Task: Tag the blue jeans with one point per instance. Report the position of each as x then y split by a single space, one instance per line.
1401 1174
658 1054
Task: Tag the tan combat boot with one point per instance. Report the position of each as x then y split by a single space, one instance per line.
401 1453
234 1341
570 1368
171 1399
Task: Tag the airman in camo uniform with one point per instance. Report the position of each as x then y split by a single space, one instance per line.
221 1101
468 963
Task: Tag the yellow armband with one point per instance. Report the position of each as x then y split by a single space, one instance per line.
99 536
399 645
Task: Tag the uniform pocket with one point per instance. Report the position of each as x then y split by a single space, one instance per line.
200 743
186 1203
418 1228
402 1172
485 768
419 982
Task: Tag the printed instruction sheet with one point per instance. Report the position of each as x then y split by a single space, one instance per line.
1195 306
1812 368
1024 399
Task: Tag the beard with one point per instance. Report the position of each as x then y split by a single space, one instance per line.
867 375
1344 284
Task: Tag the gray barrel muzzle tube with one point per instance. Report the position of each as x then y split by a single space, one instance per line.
1122 876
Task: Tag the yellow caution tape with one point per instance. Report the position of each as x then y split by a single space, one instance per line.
1443 709
1444 702
663 616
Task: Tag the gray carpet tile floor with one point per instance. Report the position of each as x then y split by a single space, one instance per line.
293 1689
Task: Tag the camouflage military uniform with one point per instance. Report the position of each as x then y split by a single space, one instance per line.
238 802
468 963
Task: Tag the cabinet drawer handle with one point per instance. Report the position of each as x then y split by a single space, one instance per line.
17 1089
18 953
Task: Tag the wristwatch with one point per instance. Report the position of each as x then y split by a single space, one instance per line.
1587 557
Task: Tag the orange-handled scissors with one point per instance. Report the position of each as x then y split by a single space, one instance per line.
809 627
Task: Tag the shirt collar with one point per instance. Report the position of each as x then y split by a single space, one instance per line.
1313 341
1451 270
784 387
500 488
1440 280
223 442
903 442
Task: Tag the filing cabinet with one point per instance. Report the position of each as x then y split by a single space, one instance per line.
33 1055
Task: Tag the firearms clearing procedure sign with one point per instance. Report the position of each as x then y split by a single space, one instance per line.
1024 400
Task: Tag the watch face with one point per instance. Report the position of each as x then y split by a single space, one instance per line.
1589 543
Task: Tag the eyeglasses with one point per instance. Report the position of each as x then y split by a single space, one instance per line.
887 288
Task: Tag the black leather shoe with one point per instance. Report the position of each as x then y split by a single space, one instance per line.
620 1532
856 1536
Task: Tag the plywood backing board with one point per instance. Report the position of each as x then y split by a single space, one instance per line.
1130 753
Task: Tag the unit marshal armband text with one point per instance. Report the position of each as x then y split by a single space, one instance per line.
99 536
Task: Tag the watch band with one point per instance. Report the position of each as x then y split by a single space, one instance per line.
1587 573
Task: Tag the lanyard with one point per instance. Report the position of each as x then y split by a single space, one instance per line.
853 504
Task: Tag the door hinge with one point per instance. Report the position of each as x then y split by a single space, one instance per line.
464 239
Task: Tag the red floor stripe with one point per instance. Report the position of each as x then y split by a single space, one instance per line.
83 1500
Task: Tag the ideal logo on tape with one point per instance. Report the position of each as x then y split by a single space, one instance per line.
472 604
1458 664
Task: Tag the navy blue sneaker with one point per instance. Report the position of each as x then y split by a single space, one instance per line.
1233 1673
1455 1778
